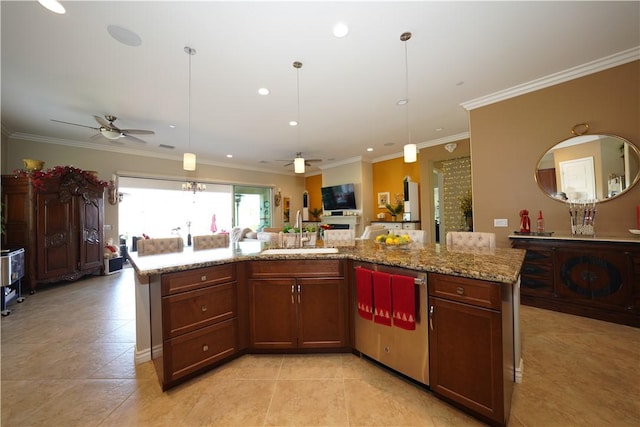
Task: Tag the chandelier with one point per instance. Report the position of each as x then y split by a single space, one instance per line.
193 186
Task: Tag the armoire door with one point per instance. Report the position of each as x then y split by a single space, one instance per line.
55 224
90 232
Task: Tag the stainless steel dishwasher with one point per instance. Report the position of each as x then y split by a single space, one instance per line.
402 350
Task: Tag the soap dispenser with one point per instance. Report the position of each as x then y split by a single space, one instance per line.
540 227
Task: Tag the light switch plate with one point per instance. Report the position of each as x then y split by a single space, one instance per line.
500 222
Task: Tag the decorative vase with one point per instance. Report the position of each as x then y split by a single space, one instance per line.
32 165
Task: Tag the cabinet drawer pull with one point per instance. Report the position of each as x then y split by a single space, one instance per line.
203 308
203 278
293 289
460 290
205 348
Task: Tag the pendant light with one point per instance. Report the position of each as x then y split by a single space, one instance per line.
298 162
410 150
189 158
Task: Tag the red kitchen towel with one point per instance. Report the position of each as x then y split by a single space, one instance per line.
382 298
404 302
364 293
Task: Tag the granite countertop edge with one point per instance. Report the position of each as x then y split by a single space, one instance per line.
495 265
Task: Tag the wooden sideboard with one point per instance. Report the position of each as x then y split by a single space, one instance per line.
586 276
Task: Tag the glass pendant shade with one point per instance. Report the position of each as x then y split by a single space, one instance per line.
410 153
189 162
298 165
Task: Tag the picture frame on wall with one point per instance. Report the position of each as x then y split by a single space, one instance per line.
383 199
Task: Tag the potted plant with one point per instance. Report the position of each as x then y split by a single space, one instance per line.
315 213
396 209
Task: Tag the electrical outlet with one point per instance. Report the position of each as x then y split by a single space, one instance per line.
500 222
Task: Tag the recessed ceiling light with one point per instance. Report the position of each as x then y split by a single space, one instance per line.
293 123
229 156
439 129
340 29
172 126
264 91
53 6
369 149
402 102
124 36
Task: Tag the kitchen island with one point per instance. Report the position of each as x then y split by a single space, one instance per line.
196 310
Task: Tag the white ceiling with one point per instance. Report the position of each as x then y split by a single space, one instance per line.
68 68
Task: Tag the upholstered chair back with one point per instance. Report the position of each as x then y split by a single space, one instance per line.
210 241
471 239
334 238
417 236
372 231
160 246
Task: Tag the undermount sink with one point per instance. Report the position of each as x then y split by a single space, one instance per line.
295 251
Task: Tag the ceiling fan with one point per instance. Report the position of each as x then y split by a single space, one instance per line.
110 131
307 162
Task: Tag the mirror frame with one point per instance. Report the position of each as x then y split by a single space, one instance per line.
632 148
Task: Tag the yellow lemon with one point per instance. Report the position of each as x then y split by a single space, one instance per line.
389 241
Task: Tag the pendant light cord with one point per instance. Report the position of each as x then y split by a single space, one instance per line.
405 37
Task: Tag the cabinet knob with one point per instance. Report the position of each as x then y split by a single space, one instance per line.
460 290
203 308
387 349
203 278
205 348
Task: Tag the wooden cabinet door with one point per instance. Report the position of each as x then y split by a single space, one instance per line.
272 313
465 364
600 277
321 313
90 232
55 225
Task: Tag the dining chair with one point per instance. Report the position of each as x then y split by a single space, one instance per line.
163 245
475 239
210 241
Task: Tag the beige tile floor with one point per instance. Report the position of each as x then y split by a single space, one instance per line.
68 351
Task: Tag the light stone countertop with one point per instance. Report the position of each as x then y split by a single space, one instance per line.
496 265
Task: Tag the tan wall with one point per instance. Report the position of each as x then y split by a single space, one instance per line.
509 137
107 163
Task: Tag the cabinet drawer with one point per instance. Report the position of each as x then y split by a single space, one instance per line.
199 278
297 268
475 292
188 311
193 351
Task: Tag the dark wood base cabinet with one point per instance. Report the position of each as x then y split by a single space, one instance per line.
592 278
297 305
194 321
471 363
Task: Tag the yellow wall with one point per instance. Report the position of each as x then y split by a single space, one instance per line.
313 184
388 177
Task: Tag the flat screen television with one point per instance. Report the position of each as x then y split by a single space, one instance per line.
338 197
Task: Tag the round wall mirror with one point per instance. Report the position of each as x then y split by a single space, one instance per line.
589 167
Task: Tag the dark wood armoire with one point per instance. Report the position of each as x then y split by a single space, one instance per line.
58 219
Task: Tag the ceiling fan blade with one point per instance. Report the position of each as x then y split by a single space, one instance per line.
288 164
133 138
137 132
312 160
75 124
104 122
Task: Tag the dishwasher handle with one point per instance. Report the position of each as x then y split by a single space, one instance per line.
432 309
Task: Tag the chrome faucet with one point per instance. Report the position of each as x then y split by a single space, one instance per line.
300 239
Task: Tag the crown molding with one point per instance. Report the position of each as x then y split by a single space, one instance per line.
131 151
601 64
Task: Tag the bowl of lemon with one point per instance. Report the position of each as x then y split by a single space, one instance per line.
393 241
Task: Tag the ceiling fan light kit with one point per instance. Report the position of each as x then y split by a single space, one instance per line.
298 165
189 161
